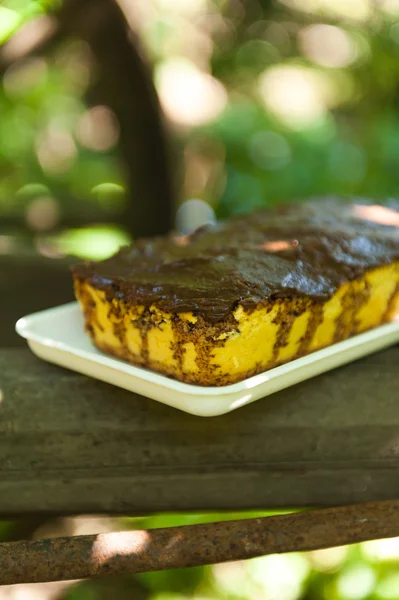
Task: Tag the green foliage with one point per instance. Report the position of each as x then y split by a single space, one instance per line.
255 150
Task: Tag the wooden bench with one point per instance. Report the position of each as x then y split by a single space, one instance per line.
69 444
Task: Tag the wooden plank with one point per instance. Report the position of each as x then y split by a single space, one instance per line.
28 284
69 444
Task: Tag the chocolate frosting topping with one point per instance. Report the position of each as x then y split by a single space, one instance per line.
304 249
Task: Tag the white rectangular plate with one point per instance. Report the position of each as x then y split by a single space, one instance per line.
57 335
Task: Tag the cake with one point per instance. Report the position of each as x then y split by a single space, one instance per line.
242 296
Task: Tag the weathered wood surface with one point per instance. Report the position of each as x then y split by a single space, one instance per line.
29 284
69 444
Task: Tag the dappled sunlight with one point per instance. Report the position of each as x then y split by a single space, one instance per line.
176 539
378 214
279 245
127 543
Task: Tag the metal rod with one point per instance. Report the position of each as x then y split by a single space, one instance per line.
176 547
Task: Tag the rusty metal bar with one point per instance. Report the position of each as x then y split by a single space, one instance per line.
175 547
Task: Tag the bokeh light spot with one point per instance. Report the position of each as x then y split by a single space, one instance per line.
356 583
24 40
358 10
281 576
31 190
56 151
98 129
43 213
109 194
189 96
381 550
328 559
327 45
23 76
296 95
93 243
192 214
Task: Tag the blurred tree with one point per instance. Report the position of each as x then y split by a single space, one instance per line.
123 82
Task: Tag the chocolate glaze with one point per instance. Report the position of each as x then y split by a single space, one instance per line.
304 249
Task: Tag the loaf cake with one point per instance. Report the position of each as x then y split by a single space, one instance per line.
242 296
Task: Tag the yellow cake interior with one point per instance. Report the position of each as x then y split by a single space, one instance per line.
187 347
